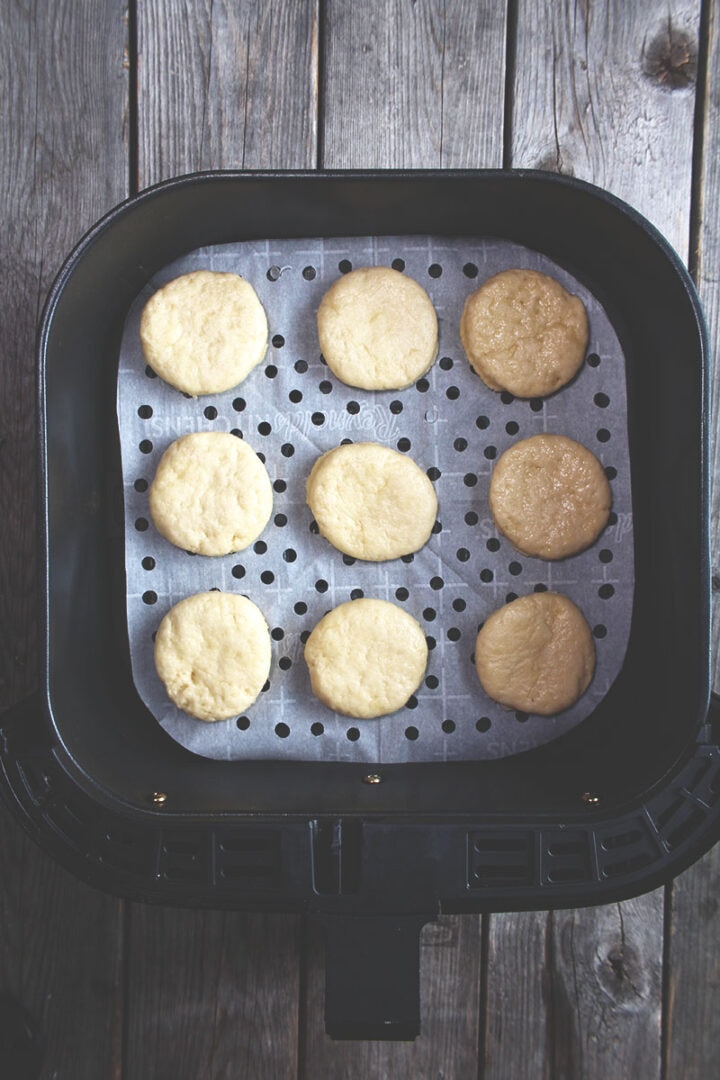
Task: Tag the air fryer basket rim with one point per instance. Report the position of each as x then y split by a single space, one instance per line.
421 841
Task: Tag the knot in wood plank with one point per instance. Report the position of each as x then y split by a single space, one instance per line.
670 59
622 976
556 161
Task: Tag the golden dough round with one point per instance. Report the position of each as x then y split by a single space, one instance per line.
211 494
213 652
204 332
366 657
377 329
536 654
549 495
371 502
523 332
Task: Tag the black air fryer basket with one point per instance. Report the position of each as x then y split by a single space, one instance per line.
615 807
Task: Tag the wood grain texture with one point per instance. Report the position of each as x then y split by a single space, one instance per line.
693 1022
212 995
63 113
576 993
413 84
63 102
606 990
226 85
605 91
449 990
61 957
518 1026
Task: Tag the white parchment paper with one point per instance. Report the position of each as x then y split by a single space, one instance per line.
291 409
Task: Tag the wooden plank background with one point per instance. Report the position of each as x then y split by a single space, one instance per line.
99 98
64 104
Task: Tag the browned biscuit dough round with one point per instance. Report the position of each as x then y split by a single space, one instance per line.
549 495
377 329
523 332
536 654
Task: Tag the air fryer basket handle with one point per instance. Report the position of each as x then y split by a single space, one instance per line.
372 976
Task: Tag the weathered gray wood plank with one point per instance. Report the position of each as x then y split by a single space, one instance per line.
61 957
226 85
518 1032
693 1023
579 992
606 990
449 989
63 157
212 995
414 85
63 101
604 92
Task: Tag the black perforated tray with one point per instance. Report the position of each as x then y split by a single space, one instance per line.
613 808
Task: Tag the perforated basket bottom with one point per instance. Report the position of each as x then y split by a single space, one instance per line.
290 410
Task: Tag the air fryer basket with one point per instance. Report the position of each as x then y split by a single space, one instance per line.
613 808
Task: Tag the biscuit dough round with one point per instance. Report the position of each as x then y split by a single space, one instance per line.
211 494
371 502
204 332
536 654
366 658
377 329
549 495
213 652
523 332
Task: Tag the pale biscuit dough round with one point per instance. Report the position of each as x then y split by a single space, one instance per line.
536 654
371 502
211 494
549 495
377 329
366 658
523 332
204 332
213 653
